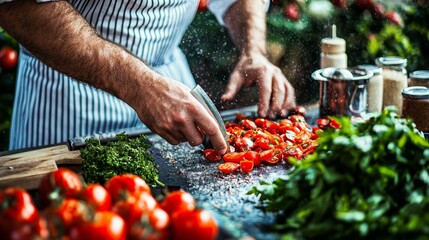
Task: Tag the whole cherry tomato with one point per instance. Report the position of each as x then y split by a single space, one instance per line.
211 155
17 206
136 204
96 196
152 226
178 201
105 225
291 11
197 225
121 186
8 58
64 182
62 217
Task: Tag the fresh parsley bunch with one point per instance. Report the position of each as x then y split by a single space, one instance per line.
367 180
102 162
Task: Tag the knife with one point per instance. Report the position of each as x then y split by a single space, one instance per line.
202 97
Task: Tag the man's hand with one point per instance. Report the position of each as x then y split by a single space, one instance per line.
245 21
168 108
276 94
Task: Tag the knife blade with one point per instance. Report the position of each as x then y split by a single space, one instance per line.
199 93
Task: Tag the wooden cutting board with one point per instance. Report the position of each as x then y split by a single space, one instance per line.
26 169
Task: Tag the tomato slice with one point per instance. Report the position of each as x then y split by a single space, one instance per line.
211 155
246 166
265 155
334 124
252 156
277 156
323 123
228 167
234 157
248 124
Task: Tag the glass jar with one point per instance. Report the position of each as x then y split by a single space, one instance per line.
416 106
395 79
419 78
375 88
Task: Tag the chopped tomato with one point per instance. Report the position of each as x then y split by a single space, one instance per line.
252 156
228 167
334 124
211 155
323 123
249 124
265 155
246 166
234 157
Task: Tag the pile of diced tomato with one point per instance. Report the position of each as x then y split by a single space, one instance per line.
123 208
262 141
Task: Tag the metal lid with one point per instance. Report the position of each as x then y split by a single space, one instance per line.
391 61
376 70
420 75
416 92
346 74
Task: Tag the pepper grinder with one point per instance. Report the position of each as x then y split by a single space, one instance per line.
333 51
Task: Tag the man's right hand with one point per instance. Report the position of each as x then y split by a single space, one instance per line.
168 108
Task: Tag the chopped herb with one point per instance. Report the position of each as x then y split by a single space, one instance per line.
365 180
102 162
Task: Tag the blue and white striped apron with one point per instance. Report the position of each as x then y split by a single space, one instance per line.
50 107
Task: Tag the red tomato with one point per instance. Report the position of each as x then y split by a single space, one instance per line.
17 206
152 226
265 155
105 225
334 124
64 182
291 11
178 201
211 155
252 156
203 5
123 185
277 156
8 58
97 197
228 167
297 118
234 157
322 123
248 124
394 18
132 208
61 218
31 230
246 166
196 225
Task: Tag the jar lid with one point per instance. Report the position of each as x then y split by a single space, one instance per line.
376 70
391 61
346 74
416 92
420 75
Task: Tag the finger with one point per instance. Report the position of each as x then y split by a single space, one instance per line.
210 128
278 95
233 87
290 101
170 139
264 87
193 135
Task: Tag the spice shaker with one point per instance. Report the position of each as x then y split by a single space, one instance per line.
375 88
419 78
394 80
333 51
416 106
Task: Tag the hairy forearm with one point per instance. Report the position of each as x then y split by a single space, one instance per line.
245 21
58 35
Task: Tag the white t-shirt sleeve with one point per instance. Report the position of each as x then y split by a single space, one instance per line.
220 7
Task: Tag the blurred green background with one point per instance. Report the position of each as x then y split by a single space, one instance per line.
294 30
